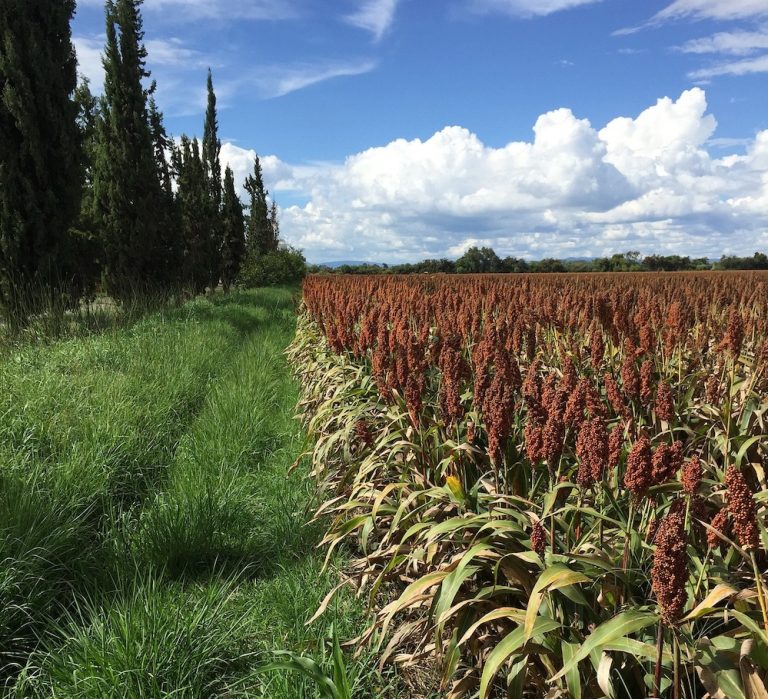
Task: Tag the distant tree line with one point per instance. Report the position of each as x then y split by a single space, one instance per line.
94 194
486 261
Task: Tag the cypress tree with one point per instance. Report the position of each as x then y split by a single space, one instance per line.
275 223
196 214
87 120
171 239
233 251
212 162
85 252
40 159
259 229
130 204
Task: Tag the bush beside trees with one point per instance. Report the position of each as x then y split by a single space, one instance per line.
286 265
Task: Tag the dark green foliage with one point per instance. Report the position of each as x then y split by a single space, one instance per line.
171 239
130 203
286 265
212 162
758 261
261 237
485 260
197 215
87 120
478 260
212 144
40 160
233 249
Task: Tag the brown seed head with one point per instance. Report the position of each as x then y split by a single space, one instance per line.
722 523
742 509
691 476
646 381
665 403
538 538
669 573
639 474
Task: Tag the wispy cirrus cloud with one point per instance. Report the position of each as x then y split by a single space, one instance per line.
375 16
746 66
527 8
281 80
738 43
745 42
712 9
703 9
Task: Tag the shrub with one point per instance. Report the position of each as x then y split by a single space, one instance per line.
284 266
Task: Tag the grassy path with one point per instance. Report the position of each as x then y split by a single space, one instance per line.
153 543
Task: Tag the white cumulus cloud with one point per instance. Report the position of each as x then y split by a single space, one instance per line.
645 183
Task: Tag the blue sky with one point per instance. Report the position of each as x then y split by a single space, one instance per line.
397 129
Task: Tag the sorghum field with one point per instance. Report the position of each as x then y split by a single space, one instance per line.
554 485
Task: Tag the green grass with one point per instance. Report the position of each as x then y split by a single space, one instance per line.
153 541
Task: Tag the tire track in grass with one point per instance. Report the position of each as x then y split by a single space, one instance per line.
87 428
221 554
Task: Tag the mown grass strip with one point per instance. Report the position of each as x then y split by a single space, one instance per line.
209 568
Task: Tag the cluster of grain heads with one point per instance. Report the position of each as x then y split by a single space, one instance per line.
559 478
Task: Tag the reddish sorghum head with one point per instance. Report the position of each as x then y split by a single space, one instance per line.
734 334
538 538
363 433
691 476
552 438
615 445
592 450
670 573
665 403
630 377
646 382
721 522
742 509
639 474
712 389
613 393
596 347
534 441
574 408
647 339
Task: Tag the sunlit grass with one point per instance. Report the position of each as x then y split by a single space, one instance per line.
154 542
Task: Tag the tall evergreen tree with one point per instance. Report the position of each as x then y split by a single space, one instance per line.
274 220
130 203
171 238
196 214
40 160
233 251
212 162
87 120
259 228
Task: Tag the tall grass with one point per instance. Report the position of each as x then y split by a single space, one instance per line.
154 543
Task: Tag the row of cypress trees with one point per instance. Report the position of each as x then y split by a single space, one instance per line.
92 190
